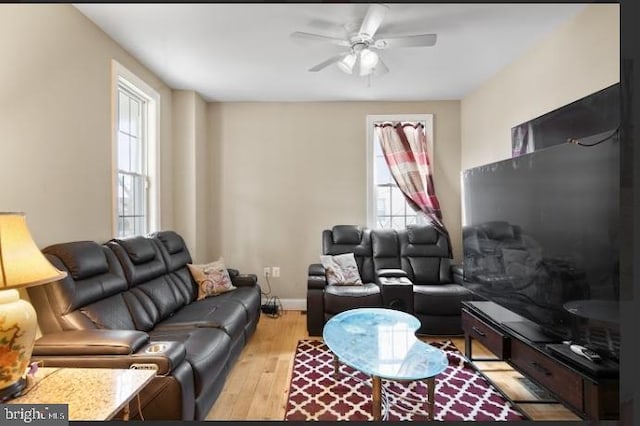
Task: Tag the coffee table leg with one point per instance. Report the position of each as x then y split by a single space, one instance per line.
431 402
336 367
376 394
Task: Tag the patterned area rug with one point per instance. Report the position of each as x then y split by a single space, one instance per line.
461 392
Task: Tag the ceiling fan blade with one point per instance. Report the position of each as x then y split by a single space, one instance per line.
422 40
373 19
328 62
319 37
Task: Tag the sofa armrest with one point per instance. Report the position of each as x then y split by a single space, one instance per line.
316 269
244 280
391 273
91 342
233 273
107 349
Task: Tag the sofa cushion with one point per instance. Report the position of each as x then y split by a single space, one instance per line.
207 350
341 298
83 259
212 278
139 249
421 234
171 241
443 299
341 269
224 314
347 234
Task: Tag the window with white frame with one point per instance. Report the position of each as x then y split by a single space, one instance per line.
387 207
136 189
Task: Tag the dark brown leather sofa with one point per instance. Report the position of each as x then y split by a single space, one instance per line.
407 270
123 297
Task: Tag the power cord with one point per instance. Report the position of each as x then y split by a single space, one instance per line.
272 307
612 134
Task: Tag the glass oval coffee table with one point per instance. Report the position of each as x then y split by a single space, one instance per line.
382 344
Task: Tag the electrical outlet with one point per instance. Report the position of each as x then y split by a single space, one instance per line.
276 271
266 271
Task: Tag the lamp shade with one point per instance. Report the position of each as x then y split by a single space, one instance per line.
22 264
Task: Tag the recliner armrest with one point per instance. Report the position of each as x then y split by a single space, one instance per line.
107 349
244 280
91 342
457 273
391 273
316 269
316 282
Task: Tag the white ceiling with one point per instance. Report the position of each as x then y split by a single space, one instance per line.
243 52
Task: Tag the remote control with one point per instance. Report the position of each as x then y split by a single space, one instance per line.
585 352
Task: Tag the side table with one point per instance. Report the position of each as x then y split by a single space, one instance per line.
93 394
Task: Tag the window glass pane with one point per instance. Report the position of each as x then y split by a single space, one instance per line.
127 195
383 200
123 152
139 225
136 155
139 196
383 174
123 112
384 222
397 222
397 202
121 227
128 228
411 220
135 117
120 195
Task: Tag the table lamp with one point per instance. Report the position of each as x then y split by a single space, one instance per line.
22 264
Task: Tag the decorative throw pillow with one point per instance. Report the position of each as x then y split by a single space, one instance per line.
212 278
341 269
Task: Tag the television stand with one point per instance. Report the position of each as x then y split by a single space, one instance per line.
589 391
530 331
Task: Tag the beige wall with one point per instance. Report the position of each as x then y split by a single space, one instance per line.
290 170
579 58
191 180
55 122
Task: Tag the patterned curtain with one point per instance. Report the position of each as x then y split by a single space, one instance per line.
405 150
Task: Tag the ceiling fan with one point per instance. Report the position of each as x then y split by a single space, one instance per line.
361 57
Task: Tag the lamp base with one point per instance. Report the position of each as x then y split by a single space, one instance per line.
13 391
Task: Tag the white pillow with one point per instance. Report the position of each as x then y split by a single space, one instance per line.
341 269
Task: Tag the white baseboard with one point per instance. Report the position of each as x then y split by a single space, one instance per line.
294 304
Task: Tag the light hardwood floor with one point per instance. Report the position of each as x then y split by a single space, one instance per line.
257 386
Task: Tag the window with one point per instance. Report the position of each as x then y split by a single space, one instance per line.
387 206
136 193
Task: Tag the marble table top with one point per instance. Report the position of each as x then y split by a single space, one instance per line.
91 393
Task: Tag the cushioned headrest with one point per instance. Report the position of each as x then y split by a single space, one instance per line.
139 249
422 234
499 230
347 234
83 259
171 241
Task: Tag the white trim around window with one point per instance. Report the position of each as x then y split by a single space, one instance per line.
427 119
122 76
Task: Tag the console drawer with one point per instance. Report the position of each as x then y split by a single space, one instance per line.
491 338
563 382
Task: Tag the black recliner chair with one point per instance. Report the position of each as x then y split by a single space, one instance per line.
406 269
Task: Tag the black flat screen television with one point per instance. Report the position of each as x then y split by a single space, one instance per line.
541 238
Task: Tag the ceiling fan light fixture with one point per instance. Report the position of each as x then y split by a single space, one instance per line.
368 61
346 64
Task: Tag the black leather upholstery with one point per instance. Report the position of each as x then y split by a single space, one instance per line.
418 253
128 293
